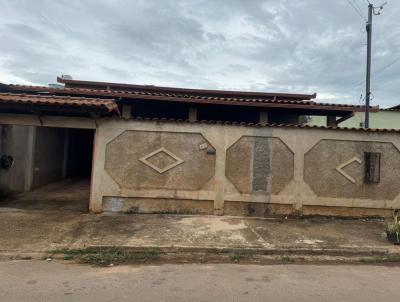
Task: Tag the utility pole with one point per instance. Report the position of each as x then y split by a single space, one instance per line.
371 10
368 80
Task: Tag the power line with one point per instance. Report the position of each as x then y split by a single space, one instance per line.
388 65
383 68
376 10
357 10
372 10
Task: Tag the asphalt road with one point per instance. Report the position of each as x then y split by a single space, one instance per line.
56 281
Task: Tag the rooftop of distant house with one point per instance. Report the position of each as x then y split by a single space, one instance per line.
107 98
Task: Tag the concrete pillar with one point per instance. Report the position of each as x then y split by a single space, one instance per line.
30 156
96 198
220 178
331 121
263 119
126 111
192 114
65 155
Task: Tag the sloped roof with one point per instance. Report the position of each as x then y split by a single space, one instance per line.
185 92
394 108
105 105
196 96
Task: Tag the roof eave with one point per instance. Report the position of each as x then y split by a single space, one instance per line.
129 97
225 93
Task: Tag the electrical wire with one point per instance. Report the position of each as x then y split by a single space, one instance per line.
380 8
379 71
357 10
355 2
388 65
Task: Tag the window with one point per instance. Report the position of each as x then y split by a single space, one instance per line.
372 167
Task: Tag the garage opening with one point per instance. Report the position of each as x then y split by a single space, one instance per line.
48 168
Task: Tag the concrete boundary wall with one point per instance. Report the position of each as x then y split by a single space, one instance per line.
150 166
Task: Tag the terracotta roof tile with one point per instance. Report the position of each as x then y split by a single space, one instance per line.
18 98
267 125
189 98
157 94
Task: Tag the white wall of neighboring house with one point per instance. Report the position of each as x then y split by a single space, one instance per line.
383 119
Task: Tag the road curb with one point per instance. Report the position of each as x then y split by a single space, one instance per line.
184 254
253 251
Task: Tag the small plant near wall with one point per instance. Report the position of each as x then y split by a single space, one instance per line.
393 230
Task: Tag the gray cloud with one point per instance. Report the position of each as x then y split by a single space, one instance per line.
295 46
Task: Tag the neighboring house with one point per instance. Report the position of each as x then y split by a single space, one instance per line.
382 119
152 149
149 101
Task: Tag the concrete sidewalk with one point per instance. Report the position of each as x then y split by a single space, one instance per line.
41 231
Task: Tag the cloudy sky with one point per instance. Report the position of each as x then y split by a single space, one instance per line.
263 45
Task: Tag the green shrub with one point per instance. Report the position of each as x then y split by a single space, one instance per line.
393 227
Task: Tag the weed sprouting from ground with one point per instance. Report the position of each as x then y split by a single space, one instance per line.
381 259
287 259
106 256
69 251
236 257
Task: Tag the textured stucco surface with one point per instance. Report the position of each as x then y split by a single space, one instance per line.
259 164
240 170
237 170
321 175
229 169
124 154
157 205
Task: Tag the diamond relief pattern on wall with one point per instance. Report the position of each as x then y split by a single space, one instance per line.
134 160
163 158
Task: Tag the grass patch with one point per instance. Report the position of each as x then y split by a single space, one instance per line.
287 259
68 257
106 256
117 256
381 259
236 257
68 251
